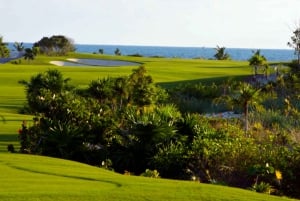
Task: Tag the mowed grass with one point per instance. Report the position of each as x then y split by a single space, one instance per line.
34 178
165 71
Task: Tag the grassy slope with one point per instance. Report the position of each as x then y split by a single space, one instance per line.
55 179
26 177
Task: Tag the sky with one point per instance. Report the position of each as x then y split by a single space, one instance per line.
191 23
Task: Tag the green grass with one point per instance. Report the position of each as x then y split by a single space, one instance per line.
167 72
32 178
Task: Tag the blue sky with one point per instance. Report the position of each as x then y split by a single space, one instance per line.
199 23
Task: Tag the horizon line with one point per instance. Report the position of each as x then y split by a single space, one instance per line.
172 46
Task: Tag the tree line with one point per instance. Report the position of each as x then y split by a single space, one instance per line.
59 45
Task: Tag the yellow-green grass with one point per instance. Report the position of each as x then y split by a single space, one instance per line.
34 178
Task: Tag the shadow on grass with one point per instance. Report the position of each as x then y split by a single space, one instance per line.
216 80
65 176
16 108
8 138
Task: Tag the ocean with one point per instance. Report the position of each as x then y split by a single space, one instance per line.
188 52
241 54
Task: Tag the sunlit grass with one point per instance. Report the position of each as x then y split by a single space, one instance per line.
34 178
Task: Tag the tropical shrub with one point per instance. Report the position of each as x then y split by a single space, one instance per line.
171 161
262 187
150 173
132 125
195 97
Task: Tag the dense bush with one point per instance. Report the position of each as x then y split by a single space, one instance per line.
55 45
135 126
195 97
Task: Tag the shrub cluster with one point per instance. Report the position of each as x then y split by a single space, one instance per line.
131 125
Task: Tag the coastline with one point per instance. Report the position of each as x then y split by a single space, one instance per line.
239 54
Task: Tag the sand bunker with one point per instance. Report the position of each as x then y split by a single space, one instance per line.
93 62
102 62
65 63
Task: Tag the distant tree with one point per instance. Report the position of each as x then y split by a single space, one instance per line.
257 60
29 54
295 43
55 45
4 51
101 51
221 54
138 89
19 46
118 52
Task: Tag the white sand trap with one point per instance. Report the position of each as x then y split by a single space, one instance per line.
102 62
65 63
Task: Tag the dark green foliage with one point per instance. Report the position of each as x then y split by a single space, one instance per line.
291 173
142 134
55 45
135 55
43 89
295 43
4 51
102 90
118 52
258 61
150 173
132 124
11 148
262 187
29 54
221 54
24 138
171 160
143 90
19 46
195 97
244 96
101 51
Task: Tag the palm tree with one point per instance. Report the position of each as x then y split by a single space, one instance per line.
4 51
243 98
295 43
29 54
118 52
221 54
101 51
102 90
247 96
121 89
19 47
257 60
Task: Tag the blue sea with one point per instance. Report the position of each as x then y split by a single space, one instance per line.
183 52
